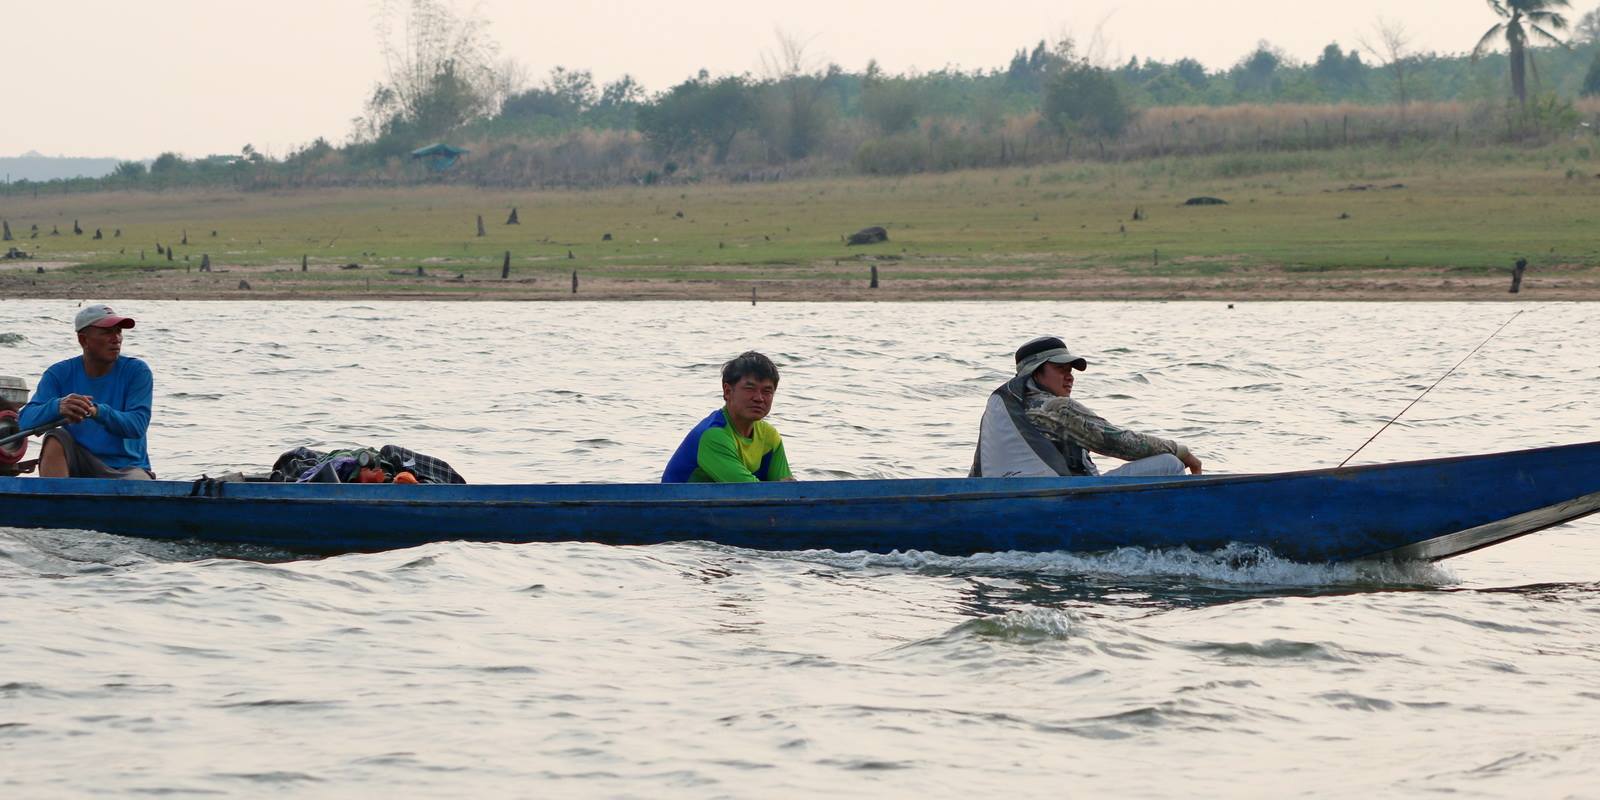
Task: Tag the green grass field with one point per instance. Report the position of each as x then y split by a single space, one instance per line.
1466 211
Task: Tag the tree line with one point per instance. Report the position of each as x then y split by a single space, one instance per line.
445 82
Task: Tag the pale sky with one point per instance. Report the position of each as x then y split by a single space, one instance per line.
132 79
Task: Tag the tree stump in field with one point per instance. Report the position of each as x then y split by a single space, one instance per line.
605 237
1516 275
244 286
303 263
6 237
481 231
160 251
97 234
116 234
185 241
205 262
141 254
874 283
169 254
512 220
505 266
574 281
76 229
55 230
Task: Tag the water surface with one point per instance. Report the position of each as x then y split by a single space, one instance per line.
130 667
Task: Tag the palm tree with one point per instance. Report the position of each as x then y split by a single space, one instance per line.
1525 20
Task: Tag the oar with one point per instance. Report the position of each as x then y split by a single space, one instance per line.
20 435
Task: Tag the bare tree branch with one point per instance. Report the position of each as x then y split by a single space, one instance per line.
1393 50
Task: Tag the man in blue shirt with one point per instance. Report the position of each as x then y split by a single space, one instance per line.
103 396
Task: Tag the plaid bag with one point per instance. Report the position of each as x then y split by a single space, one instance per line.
427 468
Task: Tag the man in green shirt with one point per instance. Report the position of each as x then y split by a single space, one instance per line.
735 444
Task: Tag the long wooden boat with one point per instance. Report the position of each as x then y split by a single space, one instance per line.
1428 509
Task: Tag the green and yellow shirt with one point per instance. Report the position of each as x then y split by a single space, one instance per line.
715 453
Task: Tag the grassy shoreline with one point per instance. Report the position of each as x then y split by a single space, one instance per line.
1356 224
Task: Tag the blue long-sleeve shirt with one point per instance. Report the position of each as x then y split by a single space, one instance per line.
117 434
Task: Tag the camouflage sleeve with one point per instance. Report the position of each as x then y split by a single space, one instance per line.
1065 418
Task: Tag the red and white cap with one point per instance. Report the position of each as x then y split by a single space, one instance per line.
100 315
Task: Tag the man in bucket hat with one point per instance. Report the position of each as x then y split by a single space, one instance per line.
1032 428
104 398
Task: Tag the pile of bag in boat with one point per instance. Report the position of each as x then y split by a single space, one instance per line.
388 464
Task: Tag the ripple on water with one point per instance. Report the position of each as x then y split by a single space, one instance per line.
275 777
1276 650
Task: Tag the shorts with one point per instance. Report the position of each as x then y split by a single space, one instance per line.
83 464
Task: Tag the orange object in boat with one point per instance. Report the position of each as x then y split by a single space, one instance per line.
372 475
404 477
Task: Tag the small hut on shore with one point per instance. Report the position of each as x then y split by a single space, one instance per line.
439 156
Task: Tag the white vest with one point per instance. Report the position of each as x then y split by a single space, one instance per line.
1009 446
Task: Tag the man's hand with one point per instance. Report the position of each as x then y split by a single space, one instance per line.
1189 460
75 408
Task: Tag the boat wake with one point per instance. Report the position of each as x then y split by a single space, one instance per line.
1021 626
1239 566
1235 569
65 552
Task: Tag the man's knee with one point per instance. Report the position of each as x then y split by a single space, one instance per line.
1170 464
1153 466
53 462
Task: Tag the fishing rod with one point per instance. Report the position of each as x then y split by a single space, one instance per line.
1430 388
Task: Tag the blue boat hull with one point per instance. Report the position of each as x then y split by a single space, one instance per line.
1412 510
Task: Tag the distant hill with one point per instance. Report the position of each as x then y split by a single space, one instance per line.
36 167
